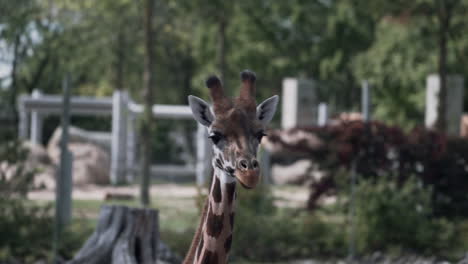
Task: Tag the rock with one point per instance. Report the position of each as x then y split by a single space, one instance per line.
77 135
91 163
39 161
292 141
7 170
45 177
37 154
295 173
301 172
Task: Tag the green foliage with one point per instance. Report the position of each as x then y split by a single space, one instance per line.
392 216
14 155
27 230
280 234
178 241
339 43
397 65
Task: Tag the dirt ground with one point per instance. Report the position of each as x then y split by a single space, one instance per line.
290 196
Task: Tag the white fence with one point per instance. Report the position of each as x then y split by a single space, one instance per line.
32 110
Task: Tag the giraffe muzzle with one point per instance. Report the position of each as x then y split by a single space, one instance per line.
248 172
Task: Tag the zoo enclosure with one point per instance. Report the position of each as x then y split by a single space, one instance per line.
34 108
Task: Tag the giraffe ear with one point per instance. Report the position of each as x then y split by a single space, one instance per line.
266 110
201 110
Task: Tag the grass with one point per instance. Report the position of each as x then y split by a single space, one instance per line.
171 217
179 216
177 222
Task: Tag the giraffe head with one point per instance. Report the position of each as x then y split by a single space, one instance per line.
236 127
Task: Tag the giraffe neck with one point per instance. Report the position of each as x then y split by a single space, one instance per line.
212 241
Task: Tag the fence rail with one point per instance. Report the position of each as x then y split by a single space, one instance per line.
123 137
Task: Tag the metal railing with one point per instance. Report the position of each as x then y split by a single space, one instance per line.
34 108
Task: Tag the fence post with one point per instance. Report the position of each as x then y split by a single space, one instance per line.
366 101
203 156
118 142
36 122
23 125
454 102
63 206
322 114
131 146
366 116
265 164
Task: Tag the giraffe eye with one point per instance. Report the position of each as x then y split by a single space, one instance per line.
215 137
260 135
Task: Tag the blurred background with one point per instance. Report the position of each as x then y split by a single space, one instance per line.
366 159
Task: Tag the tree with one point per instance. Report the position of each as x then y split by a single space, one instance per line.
148 86
443 19
19 20
396 65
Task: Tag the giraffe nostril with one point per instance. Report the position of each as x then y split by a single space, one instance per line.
255 164
243 164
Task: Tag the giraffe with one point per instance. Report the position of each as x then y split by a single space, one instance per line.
235 127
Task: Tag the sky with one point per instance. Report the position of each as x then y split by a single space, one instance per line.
6 54
5 62
4 70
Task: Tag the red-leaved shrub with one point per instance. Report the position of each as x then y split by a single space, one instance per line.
376 150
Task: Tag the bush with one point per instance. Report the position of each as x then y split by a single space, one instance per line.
27 232
26 228
392 216
266 233
376 150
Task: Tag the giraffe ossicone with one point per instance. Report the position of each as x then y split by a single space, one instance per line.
236 127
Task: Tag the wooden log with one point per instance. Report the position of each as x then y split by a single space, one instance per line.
123 236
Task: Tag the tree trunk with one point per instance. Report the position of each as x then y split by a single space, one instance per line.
148 86
444 15
123 236
222 47
188 70
14 81
119 54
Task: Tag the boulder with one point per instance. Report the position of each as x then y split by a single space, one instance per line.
295 173
293 143
301 172
36 162
37 154
77 135
91 162
39 160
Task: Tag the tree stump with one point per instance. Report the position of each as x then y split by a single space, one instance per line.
123 235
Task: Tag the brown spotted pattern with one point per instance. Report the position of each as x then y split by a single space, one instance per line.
216 192
230 190
210 257
214 224
216 236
